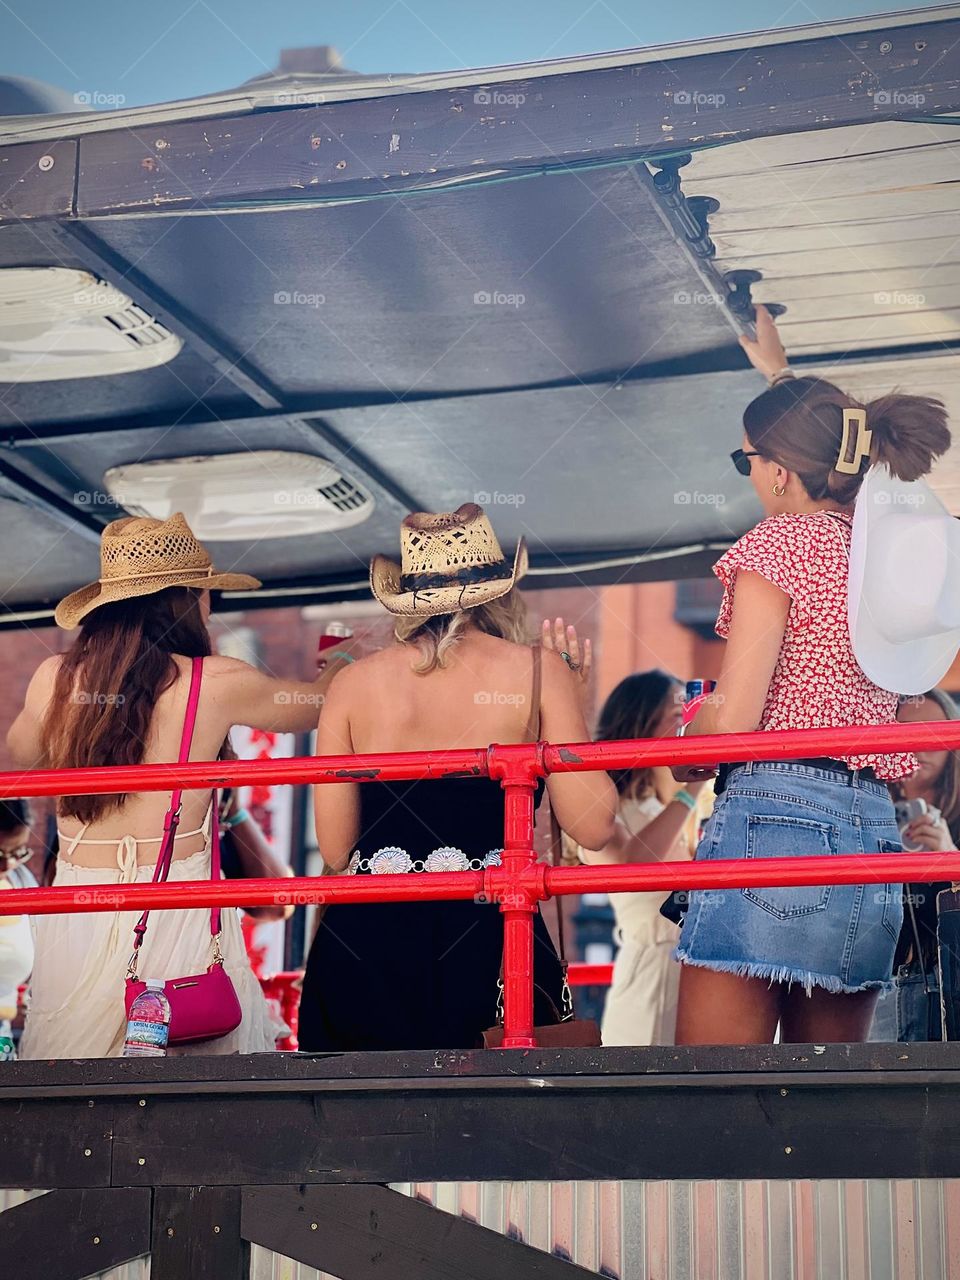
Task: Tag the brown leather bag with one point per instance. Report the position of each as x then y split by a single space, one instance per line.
567 1032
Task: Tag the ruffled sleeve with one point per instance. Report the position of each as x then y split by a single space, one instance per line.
780 549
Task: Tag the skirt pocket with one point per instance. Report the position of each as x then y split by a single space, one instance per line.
771 836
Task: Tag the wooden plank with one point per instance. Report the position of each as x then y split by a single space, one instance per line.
87 1078
752 1129
367 1232
69 1143
68 1235
196 1233
37 180
395 142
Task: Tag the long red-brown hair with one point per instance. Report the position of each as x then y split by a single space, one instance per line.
109 682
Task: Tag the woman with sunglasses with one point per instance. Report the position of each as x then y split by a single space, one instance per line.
809 959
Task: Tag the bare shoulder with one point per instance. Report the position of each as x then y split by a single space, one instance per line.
43 679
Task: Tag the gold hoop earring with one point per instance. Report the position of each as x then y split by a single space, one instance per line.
779 490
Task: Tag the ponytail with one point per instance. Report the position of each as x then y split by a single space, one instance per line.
799 423
909 432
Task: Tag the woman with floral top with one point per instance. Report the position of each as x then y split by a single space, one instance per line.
809 959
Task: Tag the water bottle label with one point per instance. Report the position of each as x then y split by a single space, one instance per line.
152 1034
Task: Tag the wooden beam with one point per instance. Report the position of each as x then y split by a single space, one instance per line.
69 1235
196 1235
62 1143
403 140
368 1232
37 179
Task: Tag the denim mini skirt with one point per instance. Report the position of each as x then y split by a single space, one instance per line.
840 937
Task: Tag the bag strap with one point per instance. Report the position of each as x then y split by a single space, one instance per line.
172 817
532 732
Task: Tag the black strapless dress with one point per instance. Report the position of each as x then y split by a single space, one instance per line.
418 975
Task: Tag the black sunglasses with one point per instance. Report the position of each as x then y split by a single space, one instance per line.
741 459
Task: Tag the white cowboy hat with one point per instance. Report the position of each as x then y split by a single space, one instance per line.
140 556
904 585
448 562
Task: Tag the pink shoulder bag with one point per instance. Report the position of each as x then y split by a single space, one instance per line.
203 1006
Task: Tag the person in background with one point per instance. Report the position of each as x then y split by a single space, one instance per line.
118 696
16 942
809 959
912 1011
657 822
460 673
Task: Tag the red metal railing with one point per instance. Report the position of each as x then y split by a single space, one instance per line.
520 882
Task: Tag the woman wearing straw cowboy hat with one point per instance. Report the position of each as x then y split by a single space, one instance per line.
461 674
818 635
118 696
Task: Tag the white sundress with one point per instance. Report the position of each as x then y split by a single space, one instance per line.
641 1005
77 989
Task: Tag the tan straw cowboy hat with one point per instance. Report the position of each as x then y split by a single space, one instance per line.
140 556
448 562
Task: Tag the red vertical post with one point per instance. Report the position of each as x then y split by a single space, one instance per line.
518 768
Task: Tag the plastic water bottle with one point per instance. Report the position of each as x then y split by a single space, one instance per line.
149 1026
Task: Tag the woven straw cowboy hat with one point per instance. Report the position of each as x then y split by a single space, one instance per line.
448 562
140 556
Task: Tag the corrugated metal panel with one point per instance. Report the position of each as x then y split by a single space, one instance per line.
854 1230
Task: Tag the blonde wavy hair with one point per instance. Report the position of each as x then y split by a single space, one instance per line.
505 617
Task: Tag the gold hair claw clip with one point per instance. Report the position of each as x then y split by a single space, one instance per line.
861 448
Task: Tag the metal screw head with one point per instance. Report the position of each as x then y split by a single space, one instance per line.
216 1231
141 1161
45 163
169 1231
783 1093
788 1150
885 46
313 1226
87 1151
96 1239
143 1102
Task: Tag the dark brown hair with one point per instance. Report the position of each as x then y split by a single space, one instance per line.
108 684
632 710
948 784
799 424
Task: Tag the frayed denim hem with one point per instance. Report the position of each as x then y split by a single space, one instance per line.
782 974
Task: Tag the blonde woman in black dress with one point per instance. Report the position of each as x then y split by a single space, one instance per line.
460 674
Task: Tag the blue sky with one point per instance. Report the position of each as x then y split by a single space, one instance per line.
141 53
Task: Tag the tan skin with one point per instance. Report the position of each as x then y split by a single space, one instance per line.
925 784
382 704
233 692
722 1008
12 844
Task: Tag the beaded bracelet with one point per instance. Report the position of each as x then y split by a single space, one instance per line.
236 818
